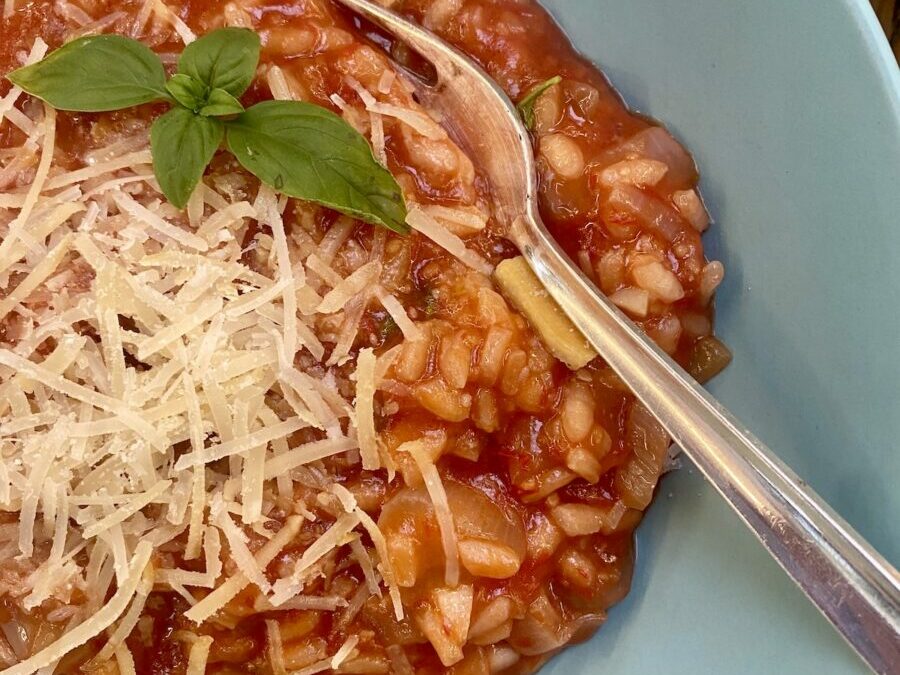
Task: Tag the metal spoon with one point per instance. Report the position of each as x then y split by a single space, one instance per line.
853 586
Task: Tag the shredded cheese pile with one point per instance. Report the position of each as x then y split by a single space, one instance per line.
160 400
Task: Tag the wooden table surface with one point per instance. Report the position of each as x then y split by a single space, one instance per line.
888 12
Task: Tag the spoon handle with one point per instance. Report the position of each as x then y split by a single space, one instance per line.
853 586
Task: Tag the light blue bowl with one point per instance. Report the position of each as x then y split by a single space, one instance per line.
792 110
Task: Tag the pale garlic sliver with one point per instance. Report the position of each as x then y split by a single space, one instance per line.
523 289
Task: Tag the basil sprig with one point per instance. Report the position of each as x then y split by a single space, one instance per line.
300 149
526 105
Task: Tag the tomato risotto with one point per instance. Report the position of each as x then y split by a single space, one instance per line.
264 406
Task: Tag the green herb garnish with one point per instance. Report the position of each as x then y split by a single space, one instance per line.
387 328
432 304
95 74
300 149
526 105
187 91
183 144
224 59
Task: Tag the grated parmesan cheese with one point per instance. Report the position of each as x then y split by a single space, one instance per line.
100 169
21 120
307 453
38 275
199 655
397 312
198 482
16 229
420 221
378 146
267 208
237 544
213 602
256 299
129 619
387 571
365 409
386 81
123 511
287 587
181 28
73 13
419 452
189 345
100 25
238 445
37 52
94 625
470 218
125 660
364 560
317 667
417 120
345 651
275 647
225 218
320 267
144 215
348 288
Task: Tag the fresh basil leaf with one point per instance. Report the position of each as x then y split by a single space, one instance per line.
308 152
187 91
223 59
526 105
193 95
183 143
94 74
220 102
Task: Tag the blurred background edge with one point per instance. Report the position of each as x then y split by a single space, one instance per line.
888 12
